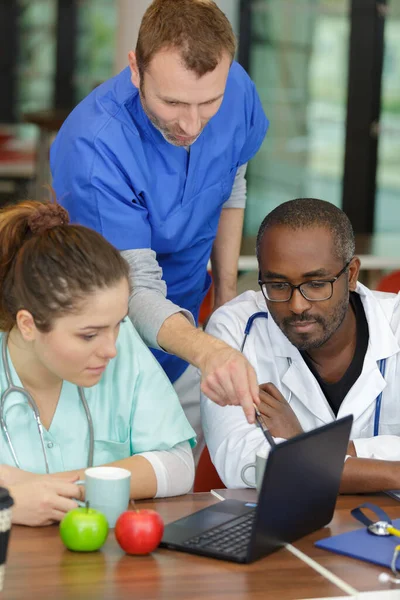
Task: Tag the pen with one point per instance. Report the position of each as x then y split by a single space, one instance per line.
263 427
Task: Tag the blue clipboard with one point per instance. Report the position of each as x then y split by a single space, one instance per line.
363 545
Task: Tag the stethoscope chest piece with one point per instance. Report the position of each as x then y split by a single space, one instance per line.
382 527
379 528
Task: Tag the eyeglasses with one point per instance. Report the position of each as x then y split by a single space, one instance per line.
314 290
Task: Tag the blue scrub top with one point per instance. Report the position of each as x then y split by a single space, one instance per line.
114 172
134 409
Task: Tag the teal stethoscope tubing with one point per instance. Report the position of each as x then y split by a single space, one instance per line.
15 388
381 364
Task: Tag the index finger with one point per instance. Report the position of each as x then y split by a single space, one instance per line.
246 387
253 383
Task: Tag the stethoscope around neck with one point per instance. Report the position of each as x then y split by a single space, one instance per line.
382 366
31 402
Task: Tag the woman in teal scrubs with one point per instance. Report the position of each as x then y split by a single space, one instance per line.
63 301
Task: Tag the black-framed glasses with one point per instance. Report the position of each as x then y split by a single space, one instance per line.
314 290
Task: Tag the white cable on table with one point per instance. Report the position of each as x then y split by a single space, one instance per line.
312 563
324 572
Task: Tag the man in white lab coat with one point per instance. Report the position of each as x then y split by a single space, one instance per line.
325 346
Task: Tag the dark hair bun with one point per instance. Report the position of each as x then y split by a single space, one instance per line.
47 216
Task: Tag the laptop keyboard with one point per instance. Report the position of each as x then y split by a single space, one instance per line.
230 538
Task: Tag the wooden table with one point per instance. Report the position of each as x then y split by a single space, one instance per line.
38 565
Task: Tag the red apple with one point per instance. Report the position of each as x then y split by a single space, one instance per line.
139 531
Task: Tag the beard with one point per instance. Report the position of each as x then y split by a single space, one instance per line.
327 326
162 128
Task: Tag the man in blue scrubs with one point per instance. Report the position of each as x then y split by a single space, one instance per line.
154 159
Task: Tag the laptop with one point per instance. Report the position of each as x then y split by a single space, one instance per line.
297 496
395 494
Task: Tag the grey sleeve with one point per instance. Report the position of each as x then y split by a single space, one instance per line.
148 305
238 196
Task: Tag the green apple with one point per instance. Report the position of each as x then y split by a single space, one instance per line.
84 529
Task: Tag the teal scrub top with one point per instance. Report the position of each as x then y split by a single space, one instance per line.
134 409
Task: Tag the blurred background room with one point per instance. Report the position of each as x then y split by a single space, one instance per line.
327 71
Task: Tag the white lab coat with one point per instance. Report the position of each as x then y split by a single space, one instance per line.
232 442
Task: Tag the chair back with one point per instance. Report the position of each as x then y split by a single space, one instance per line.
206 477
389 283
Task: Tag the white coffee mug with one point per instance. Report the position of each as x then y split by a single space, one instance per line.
259 466
107 490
